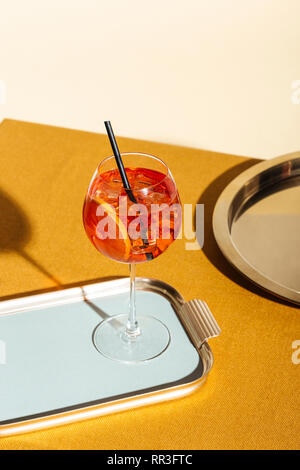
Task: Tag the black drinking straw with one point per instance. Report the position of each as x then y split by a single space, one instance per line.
119 161
123 174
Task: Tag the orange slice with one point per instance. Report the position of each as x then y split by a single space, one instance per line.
121 245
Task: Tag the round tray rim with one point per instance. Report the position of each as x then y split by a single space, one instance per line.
221 225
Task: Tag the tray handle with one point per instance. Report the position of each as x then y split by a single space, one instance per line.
199 321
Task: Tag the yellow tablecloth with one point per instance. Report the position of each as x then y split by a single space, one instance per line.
251 398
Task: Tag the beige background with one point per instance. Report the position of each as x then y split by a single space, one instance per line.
212 74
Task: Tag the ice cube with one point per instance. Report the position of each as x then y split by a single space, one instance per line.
158 198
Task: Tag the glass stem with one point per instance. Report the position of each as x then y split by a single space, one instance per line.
132 328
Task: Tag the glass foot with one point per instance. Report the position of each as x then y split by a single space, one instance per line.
111 340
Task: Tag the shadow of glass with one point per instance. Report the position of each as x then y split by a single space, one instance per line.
114 323
15 233
15 229
211 249
61 286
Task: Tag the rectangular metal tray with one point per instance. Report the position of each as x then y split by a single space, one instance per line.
51 373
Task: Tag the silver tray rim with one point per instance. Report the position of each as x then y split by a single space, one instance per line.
94 291
249 183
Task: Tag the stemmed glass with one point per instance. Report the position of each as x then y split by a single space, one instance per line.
132 227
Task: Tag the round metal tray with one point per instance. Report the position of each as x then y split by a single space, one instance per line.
256 223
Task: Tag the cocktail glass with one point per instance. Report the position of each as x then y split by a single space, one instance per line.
132 230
